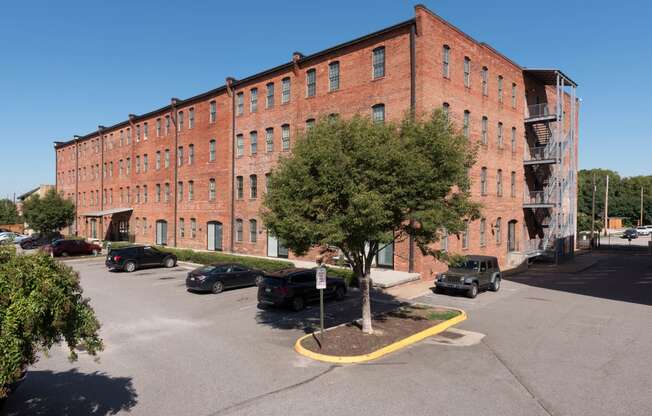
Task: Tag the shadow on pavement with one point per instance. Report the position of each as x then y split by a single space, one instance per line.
624 276
335 312
71 393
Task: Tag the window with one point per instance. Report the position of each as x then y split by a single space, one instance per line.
193 228
465 235
446 109
513 140
166 195
211 189
269 99
167 124
445 59
238 230
145 163
253 142
512 185
253 100
485 80
483 231
513 95
239 187
120 168
239 103
500 135
128 166
179 191
285 137
111 167
167 158
191 154
285 90
253 230
269 139
145 130
212 115
483 181
253 186
334 76
311 83
500 89
467 72
498 230
467 117
122 137
310 123
158 192
180 121
379 62
485 126
499 182
144 226
137 164
211 150
378 113
182 228
145 194
191 117
137 194
157 160
191 190
137 132
239 143
180 156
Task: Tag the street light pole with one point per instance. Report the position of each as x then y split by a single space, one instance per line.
593 214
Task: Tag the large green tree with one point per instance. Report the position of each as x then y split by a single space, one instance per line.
358 185
8 212
41 304
50 213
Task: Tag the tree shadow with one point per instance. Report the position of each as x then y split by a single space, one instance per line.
335 312
71 393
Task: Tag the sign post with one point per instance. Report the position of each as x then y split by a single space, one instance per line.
321 285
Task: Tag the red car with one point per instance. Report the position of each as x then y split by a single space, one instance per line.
67 248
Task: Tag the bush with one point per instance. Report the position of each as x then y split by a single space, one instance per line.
203 257
41 304
346 274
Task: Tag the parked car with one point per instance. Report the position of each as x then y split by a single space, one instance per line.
67 248
38 240
630 234
9 237
644 230
475 273
132 258
296 287
219 276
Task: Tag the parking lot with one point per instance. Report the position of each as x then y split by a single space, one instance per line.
575 344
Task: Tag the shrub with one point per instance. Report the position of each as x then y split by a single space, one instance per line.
41 304
203 257
346 274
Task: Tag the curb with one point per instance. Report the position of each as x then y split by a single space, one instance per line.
434 330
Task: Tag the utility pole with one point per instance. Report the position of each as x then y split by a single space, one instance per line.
593 214
606 206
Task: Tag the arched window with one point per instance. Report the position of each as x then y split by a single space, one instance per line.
445 59
483 232
378 62
498 230
238 230
483 181
378 113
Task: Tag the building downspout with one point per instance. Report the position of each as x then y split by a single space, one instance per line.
100 131
229 88
413 105
76 184
174 116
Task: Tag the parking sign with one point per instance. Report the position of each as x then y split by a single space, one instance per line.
321 278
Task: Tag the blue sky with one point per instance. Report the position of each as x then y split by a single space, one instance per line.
67 66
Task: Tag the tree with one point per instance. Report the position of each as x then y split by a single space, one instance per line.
359 185
50 213
8 212
41 304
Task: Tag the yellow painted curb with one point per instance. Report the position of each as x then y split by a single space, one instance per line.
434 330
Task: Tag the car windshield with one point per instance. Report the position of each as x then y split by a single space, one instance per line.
209 268
467 265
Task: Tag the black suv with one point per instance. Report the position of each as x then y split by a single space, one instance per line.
131 258
471 275
296 287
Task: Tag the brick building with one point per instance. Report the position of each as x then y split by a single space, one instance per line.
192 173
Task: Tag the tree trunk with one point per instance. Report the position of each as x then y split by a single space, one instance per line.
366 304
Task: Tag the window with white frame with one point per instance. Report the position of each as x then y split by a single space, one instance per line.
191 190
499 182
191 117
483 181
334 76
253 142
500 89
253 186
239 103
285 137
445 59
378 62
238 230
191 154
269 139
212 116
239 145
269 98
311 82
485 80
485 126
253 230
239 187
285 90
483 232
467 71
378 113
211 189
179 120
466 123
211 150
253 100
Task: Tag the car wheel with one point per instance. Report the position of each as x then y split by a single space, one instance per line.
217 287
169 262
473 291
495 285
298 303
259 280
129 267
340 292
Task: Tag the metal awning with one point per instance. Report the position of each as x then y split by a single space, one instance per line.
106 212
548 76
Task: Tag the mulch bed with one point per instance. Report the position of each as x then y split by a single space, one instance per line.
349 340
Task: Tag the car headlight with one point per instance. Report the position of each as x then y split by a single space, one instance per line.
462 278
441 276
468 280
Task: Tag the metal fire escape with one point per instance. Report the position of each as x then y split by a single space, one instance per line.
550 162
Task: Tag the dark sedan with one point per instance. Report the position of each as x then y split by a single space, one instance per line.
630 234
131 258
296 287
67 248
217 277
38 240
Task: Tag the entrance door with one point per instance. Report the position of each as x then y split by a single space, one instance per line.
161 232
511 236
214 235
275 248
